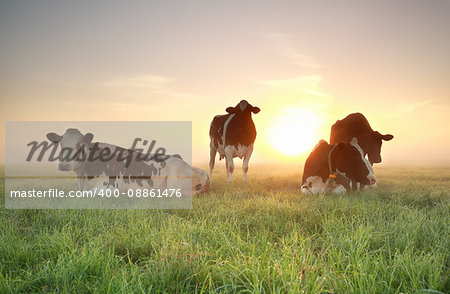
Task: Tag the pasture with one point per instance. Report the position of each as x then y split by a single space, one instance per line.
260 237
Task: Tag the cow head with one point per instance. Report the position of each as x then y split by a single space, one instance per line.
73 145
348 158
243 107
371 144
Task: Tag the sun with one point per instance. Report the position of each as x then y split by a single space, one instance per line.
295 132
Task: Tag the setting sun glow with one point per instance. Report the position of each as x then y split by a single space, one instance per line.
295 132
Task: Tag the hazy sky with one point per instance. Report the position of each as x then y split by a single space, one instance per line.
304 63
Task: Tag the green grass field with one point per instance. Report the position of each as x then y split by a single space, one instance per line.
261 237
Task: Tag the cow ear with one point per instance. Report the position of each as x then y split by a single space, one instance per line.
230 110
387 137
255 109
88 138
53 137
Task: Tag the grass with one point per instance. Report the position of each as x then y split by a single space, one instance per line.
261 237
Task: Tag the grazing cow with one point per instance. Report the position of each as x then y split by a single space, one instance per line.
233 135
334 167
124 168
356 125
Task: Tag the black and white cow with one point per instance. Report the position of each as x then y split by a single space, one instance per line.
332 168
356 125
125 169
233 135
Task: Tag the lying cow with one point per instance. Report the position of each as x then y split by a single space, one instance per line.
332 168
233 135
356 125
126 169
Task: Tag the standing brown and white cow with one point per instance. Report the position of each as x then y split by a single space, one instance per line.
233 135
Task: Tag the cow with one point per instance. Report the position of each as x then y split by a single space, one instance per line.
233 135
356 125
333 167
125 168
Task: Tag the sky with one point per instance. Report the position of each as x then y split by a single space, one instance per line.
306 64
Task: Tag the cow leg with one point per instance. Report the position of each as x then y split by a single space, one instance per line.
229 175
247 155
230 164
212 158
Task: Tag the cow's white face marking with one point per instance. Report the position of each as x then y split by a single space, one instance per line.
354 143
243 105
